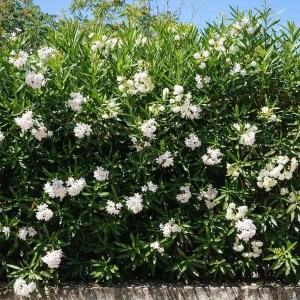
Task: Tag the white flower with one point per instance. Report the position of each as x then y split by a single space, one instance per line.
35 80
246 229
24 231
41 131
6 230
197 56
76 100
212 157
148 128
74 187
141 83
157 247
237 69
188 110
201 81
178 90
169 228
233 213
113 208
284 191
55 189
2 137
81 130
150 186
165 93
53 258
18 60
248 135
44 213
46 52
192 141
202 65
101 174
23 289
135 203
165 160
209 196
25 122
276 170
238 247
185 194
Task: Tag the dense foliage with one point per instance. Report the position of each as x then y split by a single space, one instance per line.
23 16
169 154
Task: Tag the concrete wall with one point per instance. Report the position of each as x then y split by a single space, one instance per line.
166 291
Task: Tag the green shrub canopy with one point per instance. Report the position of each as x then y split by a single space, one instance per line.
169 154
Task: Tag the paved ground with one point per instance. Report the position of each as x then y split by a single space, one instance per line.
167 291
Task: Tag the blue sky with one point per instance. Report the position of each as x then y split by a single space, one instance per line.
208 10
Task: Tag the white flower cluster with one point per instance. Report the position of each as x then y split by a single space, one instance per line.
247 133
237 69
246 229
238 26
209 196
26 122
141 83
192 141
81 130
267 113
113 208
76 100
201 81
55 189
212 157
181 103
112 110
148 128
156 246
101 174
24 231
218 45
22 289
41 131
185 194
5 230
18 60
106 44
135 203
46 52
43 212
35 80
276 170
53 258
201 58
2 137
75 186
256 249
234 214
169 228
141 144
14 34
150 186
165 160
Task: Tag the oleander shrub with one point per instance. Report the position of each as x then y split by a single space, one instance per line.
169 153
